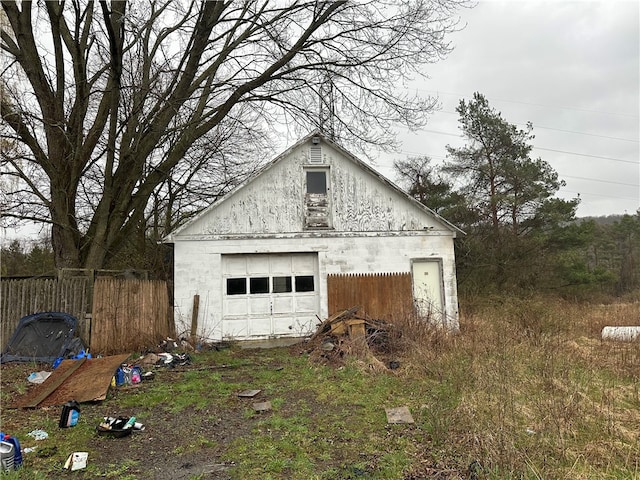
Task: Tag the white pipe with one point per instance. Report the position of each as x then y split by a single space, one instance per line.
623 334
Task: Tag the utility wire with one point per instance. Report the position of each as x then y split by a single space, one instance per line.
559 174
583 193
540 148
557 107
587 155
535 125
601 181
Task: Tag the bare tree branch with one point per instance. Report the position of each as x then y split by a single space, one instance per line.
119 104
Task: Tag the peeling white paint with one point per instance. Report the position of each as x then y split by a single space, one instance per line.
373 228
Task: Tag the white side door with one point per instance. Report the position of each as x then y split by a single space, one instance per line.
428 289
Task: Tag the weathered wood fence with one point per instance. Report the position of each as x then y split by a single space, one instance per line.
381 296
114 315
129 315
19 298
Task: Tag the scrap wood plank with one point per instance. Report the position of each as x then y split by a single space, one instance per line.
89 381
349 325
334 318
49 387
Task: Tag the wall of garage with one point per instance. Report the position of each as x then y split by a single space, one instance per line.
198 269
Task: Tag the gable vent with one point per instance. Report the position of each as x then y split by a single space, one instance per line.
315 154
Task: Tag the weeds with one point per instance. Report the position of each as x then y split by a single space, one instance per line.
525 390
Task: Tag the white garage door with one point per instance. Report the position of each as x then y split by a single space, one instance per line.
268 295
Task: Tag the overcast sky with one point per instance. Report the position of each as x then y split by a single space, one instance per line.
572 69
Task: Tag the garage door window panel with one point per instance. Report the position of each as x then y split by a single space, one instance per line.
258 285
236 286
282 285
304 283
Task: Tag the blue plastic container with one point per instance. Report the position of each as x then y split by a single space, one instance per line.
119 376
6 455
70 414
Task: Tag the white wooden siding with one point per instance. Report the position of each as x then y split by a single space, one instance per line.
198 269
274 202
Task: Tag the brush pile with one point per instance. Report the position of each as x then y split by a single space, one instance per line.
346 334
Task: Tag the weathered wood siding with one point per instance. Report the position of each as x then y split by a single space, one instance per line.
316 211
275 201
380 296
129 315
20 298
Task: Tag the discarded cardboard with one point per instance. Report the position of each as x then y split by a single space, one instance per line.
399 415
76 461
83 380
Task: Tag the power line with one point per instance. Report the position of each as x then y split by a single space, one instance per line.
589 134
601 181
560 174
560 107
535 125
587 155
539 148
583 193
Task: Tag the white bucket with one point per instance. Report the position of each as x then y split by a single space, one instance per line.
622 334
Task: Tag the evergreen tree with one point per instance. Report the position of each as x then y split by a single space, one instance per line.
513 213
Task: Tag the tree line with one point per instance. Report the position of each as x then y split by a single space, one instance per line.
519 236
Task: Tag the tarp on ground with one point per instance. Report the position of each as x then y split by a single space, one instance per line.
42 337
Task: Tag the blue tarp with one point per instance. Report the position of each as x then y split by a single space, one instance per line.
41 337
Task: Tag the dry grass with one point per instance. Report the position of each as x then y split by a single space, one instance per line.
529 390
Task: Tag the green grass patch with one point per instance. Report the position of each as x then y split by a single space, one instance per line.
527 390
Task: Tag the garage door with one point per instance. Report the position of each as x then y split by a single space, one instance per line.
268 295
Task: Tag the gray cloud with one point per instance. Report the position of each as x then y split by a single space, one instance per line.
571 67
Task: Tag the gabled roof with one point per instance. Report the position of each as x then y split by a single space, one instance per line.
285 154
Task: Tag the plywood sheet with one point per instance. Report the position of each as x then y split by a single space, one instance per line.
80 380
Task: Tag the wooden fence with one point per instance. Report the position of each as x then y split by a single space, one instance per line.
114 315
380 296
19 298
129 315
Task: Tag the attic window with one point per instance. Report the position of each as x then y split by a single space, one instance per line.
317 182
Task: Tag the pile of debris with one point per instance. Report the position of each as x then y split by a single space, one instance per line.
346 334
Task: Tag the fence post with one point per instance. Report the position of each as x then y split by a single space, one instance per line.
194 316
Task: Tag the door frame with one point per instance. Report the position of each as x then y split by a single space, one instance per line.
417 299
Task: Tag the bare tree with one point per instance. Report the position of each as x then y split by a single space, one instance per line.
109 106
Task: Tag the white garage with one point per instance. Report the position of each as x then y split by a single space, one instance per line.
254 265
